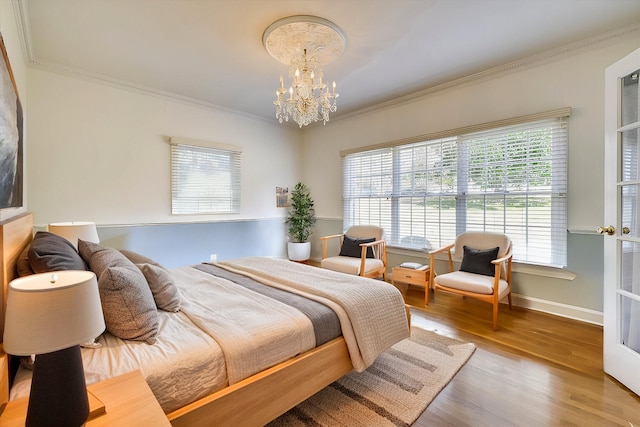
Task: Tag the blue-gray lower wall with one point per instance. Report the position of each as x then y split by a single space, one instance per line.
178 244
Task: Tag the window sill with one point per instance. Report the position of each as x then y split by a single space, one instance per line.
517 267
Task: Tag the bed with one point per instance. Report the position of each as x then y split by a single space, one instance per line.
214 356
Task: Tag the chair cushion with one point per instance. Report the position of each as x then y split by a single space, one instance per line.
479 260
470 282
351 247
350 265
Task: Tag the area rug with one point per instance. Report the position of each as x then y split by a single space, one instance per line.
394 391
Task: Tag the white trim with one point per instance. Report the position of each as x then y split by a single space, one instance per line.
188 222
464 130
543 270
174 140
23 24
563 310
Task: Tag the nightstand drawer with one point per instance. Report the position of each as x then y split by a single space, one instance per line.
410 276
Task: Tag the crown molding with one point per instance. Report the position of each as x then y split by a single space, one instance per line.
24 30
501 70
21 13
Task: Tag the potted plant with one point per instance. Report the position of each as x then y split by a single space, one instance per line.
300 220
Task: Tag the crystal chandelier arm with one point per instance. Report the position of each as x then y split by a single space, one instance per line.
320 42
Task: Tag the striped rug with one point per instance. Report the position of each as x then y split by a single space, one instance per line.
394 391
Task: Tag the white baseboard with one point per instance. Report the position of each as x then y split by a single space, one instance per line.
558 309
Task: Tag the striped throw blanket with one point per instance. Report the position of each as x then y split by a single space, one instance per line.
371 312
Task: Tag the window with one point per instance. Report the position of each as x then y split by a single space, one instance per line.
204 180
508 176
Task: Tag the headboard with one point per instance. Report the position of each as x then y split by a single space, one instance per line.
15 234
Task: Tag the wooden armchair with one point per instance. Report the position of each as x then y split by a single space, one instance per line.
363 252
485 270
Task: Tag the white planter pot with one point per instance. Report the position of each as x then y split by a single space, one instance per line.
299 251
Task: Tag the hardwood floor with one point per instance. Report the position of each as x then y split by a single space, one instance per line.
536 370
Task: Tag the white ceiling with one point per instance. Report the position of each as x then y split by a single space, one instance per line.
210 51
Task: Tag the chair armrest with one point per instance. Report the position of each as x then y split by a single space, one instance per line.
379 250
432 259
331 237
442 249
374 243
503 259
326 239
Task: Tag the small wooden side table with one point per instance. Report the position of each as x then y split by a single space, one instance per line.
127 399
413 276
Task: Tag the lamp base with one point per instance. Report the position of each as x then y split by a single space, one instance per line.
58 390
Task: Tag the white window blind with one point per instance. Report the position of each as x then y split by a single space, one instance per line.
204 180
510 179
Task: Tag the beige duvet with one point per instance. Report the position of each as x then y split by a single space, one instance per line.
225 333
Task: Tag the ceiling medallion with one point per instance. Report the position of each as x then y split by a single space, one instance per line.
305 44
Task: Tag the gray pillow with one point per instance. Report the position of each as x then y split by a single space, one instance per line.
50 252
137 258
23 266
100 257
127 303
164 290
479 260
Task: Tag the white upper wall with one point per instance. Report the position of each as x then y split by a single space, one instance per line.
100 153
575 81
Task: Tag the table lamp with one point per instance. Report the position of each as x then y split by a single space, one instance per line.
49 315
72 231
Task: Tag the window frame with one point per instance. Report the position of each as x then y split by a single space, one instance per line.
216 190
524 245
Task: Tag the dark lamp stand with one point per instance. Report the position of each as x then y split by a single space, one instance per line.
58 390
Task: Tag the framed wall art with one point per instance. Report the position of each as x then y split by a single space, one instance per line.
282 197
11 140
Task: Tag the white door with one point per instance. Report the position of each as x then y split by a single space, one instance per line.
622 222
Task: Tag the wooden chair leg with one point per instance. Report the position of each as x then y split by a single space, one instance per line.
509 300
406 307
495 316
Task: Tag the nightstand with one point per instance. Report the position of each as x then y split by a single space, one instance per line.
414 276
127 399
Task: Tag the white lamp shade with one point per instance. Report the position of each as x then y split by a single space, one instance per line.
72 231
48 312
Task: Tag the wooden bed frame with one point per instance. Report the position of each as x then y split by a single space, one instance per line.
253 401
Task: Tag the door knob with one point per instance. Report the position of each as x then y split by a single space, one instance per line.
626 230
610 230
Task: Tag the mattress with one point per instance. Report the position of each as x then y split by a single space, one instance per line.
224 332
183 365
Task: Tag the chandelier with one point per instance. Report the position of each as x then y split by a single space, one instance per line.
305 44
